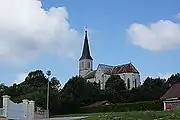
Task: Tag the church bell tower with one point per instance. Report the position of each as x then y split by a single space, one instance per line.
85 61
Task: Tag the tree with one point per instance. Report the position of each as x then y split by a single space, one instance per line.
34 88
173 79
152 89
78 92
115 88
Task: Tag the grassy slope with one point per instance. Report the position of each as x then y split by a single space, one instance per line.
148 115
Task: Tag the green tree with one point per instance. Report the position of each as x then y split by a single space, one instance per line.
78 92
152 89
173 79
115 89
34 87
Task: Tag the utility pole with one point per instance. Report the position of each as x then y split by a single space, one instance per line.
48 73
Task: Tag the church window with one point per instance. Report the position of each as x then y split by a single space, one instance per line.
82 65
88 64
135 83
128 83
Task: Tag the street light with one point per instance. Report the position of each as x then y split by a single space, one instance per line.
48 73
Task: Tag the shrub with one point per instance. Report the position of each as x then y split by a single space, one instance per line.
124 107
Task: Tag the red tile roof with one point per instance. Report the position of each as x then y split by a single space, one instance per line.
126 68
173 92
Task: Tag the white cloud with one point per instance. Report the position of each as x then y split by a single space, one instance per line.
158 75
20 78
17 79
163 75
178 16
26 30
159 36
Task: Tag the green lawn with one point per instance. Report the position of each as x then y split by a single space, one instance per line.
146 115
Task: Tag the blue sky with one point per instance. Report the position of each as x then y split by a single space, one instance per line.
120 31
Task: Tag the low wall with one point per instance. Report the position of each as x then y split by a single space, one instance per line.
24 110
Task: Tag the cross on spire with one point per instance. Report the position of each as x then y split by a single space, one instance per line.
86 52
86 28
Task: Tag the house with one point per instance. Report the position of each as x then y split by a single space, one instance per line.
100 103
128 72
171 98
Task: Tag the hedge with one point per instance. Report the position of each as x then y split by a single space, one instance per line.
124 107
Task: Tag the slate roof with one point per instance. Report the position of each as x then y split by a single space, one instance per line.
106 69
90 74
173 92
86 51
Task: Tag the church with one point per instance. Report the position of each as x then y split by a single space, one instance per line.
127 72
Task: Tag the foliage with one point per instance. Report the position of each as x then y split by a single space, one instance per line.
114 89
35 88
123 107
152 89
78 92
173 79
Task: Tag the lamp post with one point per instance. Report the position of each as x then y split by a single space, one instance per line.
48 73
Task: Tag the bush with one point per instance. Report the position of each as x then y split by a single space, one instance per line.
124 107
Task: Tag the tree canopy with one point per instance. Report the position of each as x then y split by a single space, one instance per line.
114 89
77 92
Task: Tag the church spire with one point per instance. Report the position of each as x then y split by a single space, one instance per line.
86 52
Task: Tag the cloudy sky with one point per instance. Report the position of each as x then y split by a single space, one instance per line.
48 34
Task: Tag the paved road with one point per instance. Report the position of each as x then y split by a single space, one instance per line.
65 118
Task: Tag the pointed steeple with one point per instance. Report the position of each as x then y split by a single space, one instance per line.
86 52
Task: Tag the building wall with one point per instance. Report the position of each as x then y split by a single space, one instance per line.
133 77
91 80
101 77
98 75
85 66
13 110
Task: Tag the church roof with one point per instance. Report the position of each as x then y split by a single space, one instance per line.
173 92
86 52
106 69
125 68
90 74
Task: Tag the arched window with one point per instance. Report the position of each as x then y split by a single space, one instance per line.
128 83
88 64
82 65
135 83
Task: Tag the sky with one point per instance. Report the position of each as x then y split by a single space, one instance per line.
48 35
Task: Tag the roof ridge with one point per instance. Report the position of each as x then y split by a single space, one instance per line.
106 65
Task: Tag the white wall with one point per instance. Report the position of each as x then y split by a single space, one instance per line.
91 80
100 76
132 77
13 110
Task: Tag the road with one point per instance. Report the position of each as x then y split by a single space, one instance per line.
65 118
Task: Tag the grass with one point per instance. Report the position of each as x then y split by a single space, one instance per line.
139 115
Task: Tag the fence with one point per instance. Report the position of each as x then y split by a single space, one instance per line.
11 110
